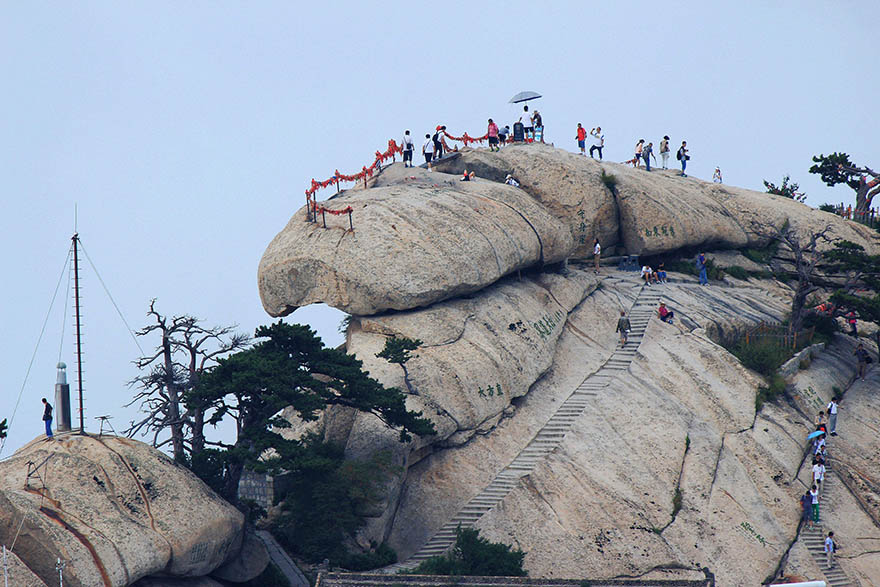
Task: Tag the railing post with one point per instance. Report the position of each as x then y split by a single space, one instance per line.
324 217
350 223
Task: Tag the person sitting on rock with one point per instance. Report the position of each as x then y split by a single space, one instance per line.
647 274
467 176
661 273
665 314
509 180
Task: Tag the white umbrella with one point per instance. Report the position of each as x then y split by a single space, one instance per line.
524 97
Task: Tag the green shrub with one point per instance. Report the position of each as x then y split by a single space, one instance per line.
762 256
324 506
676 502
825 325
828 208
682 266
382 556
475 555
769 393
764 355
804 364
610 182
738 272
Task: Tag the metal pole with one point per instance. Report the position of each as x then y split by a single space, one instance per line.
350 223
5 569
79 374
324 217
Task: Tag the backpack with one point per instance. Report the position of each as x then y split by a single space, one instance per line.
538 120
678 155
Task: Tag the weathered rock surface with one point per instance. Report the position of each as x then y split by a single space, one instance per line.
568 185
170 582
249 563
682 417
423 237
19 574
414 243
479 353
656 211
115 509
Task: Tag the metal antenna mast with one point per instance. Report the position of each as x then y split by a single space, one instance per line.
79 373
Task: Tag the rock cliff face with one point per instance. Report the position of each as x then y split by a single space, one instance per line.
115 509
424 237
670 466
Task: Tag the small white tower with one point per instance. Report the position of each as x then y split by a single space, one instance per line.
62 400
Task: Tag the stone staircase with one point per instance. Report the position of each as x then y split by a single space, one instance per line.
814 539
547 439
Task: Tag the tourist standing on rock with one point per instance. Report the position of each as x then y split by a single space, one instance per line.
528 126
814 503
830 547
582 139
538 123
683 156
716 177
428 150
864 358
638 153
851 320
47 417
647 153
807 508
598 141
492 133
407 149
664 151
597 253
701 267
623 328
439 142
832 415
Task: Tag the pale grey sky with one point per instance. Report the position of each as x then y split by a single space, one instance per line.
187 132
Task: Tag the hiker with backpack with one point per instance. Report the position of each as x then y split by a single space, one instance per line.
664 151
428 150
683 156
407 149
439 143
864 358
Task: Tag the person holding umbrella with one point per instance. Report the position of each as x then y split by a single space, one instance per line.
528 126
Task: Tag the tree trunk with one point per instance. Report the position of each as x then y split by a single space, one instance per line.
230 484
797 306
173 390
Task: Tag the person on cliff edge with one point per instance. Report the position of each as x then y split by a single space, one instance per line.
47 417
597 254
407 149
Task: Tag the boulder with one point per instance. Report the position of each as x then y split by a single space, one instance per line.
115 509
247 564
569 186
414 243
657 211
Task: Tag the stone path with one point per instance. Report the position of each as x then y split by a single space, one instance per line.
547 439
814 539
281 560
